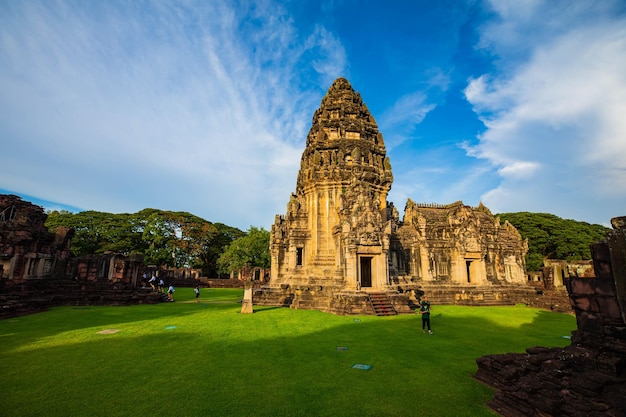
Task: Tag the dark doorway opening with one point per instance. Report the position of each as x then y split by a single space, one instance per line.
366 271
299 256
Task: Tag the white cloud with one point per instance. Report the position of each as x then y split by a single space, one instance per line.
192 107
518 169
402 118
331 59
555 125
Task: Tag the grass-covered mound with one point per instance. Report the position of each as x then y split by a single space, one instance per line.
207 359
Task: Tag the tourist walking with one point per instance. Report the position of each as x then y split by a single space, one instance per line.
153 282
424 311
161 285
197 291
170 292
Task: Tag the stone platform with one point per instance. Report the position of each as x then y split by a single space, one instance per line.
329 299
404 300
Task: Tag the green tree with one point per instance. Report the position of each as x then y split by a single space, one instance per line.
164 238
252 249
212 249
552 237
159 235
97 232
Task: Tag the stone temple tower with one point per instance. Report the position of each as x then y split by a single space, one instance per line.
342 248
335 235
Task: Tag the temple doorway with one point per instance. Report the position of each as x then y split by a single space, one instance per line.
366 271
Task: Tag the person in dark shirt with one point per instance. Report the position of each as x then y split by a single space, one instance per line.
424 311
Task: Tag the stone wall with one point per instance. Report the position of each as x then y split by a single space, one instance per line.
588 377
106 267
38 295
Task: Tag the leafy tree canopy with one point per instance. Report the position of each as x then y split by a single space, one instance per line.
252 249
552 237
164 238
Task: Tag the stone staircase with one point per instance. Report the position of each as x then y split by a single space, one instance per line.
381 304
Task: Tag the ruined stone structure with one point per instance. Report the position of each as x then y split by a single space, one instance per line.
587 378
456 250
36 270
107 267
27 249
341 242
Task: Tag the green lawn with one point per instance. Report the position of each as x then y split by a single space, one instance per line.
207 359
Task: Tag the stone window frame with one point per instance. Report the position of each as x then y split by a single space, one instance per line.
32 266
442 267
46 267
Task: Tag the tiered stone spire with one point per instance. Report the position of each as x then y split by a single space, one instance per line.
339 207
344 143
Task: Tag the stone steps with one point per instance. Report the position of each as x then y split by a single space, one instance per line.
381 304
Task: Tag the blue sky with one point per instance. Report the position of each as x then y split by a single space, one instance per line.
204 106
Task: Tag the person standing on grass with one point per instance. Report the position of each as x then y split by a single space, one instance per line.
197 291
424 311
170 292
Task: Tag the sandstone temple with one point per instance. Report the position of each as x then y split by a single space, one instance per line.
342 247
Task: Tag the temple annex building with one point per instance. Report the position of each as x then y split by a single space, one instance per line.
342 248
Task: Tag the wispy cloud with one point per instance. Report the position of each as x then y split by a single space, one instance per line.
555 120
192 106
402 118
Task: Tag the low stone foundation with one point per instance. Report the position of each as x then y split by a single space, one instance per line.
221 282
474 295
37 295
404 300
328 299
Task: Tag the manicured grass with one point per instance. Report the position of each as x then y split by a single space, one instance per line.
207 359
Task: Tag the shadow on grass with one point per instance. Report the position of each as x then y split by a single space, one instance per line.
72 318
261 309
282 362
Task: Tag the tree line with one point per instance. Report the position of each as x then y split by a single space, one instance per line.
181 239
551 237
165 239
